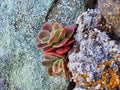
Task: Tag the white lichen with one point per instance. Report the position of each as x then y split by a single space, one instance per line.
95 46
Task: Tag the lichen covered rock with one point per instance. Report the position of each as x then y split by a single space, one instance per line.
93 47
20 22
65 11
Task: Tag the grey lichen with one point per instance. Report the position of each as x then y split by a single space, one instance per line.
66 11
93 46
20 21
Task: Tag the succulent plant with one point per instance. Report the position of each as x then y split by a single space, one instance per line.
55 40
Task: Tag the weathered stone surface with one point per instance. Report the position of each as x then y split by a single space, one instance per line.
92 47
66 11
20 21
111 11
90 4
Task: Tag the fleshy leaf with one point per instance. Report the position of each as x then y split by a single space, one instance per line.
55 40
45 40
60 63
48 46
47 26
50 57
40 45
50 49
54 54
55 37
57 26
57 32
62 50
65 70
63 33
48 62
60 44
70 31
56 68
69 42
42 34
49 71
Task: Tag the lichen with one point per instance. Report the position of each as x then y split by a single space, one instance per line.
109 77
20 22
93 47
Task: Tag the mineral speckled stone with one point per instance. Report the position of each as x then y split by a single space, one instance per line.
93 47
111 11
20 22
66 11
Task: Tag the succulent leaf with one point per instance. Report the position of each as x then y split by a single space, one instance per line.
54 54
69 42
65 70
48 62
56 68
40 45
43 34
63 33
60 44
55 40
48 46
49 71
55 37
60 63
45 40
57 33
57 26
62 50
47 26
50 57
49 49
70 31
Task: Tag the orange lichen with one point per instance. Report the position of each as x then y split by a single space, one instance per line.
109 76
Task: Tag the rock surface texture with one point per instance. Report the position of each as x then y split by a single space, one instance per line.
93 46
20 22
111 11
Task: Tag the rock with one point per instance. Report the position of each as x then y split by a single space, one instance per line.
90 4
111 12
66 11
94 46
20 22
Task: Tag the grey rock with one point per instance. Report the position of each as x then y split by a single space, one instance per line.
20 21
111 11
94 47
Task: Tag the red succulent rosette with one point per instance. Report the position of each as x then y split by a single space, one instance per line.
55 40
